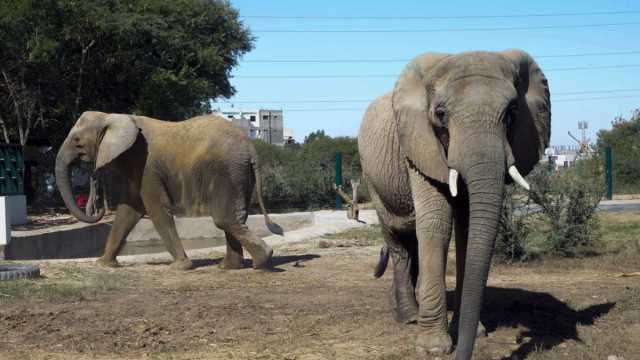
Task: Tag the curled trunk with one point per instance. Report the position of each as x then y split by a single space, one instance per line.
64 159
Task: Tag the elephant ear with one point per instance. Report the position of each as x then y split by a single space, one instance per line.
530 130
410 101
119 134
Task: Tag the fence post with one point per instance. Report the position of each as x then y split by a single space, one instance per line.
608 171
338 178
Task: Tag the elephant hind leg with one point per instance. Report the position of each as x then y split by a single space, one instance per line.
403 297
260 251
234 257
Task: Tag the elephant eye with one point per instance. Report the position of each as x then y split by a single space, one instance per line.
441 116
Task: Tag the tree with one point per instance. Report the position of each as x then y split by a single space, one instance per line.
160 58
623 139
301 176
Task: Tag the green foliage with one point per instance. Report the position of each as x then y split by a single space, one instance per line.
557 217
513 227
568 200
161 58
301 176
623 139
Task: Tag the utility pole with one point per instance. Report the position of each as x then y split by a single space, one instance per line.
583 142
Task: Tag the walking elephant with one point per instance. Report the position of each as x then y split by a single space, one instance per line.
436 153
201 166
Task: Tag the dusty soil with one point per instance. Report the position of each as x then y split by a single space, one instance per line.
321 303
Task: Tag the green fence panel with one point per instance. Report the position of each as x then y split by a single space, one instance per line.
338 178
11 170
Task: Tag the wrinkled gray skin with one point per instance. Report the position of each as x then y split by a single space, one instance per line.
478 113
201 166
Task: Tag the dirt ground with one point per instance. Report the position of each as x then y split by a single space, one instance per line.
321 303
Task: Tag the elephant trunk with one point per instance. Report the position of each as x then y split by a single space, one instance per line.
66 155
484 174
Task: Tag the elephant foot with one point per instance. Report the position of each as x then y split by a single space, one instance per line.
404 306
106 262
406 315
263 261
182 265
434 343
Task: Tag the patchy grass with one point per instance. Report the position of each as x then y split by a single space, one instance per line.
621 231
69 283
363 236
630 300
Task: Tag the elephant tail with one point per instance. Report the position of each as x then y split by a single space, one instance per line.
272 226
381 267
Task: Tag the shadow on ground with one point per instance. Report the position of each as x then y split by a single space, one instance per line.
545 320
297 260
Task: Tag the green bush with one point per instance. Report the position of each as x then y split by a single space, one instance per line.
568 200
556 218
301 176
513 228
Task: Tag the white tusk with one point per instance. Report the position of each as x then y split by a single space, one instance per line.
453 182
515 175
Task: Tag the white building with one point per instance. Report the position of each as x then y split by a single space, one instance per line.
561 156
263 124
288 136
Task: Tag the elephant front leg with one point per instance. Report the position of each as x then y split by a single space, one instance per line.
127 217
433 230
166 227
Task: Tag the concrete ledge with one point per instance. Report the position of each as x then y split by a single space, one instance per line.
82 240
60 242
325 222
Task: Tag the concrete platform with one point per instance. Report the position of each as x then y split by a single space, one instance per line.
82 240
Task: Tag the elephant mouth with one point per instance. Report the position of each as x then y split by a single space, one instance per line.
412 165
83 155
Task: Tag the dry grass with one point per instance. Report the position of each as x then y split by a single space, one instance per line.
321 304
70 283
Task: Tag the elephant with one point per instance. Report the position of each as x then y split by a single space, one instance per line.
204 166
437 153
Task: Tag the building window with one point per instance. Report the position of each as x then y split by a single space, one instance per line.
265 117
252 118
275 116
230 116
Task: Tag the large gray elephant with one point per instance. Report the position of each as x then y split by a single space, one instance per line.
475 117
201 166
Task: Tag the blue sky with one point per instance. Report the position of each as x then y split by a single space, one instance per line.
371 46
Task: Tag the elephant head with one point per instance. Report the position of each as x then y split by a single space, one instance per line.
480 115
96 137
